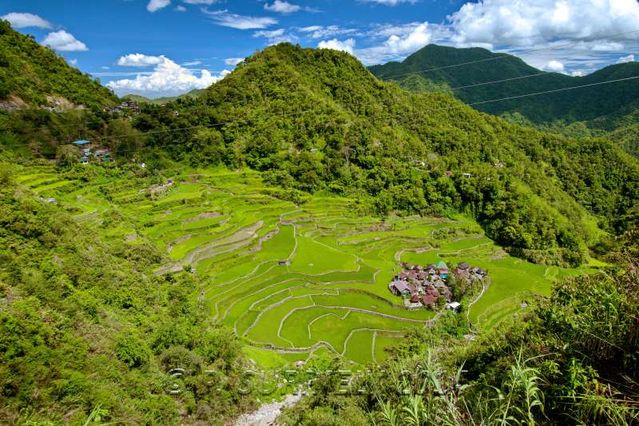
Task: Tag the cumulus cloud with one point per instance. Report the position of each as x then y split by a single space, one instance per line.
625 59
345 45
167 79
240 22
554 66
507 22
26 20
155 5
64 42
284 7
139 60
400 41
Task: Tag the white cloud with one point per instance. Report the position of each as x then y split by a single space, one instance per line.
139 60
389 2
399 42
167 79
180 8
578 73
526 23
281 6
192 63
269 34
554 66
26 20
73 62
64 42
233 61
345 46
240 22
319 31
275 36
625 59
155 5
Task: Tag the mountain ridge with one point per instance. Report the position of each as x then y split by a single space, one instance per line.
478 66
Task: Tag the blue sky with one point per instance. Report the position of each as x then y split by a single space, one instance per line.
167 47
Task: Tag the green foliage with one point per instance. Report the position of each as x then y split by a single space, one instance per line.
80 324
36 75
67 155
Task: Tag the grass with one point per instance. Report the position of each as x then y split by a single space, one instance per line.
330 294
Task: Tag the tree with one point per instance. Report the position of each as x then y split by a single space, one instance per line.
67 155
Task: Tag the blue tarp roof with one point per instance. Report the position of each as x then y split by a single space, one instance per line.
81 142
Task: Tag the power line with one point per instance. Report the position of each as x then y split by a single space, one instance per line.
502 56
564 89
522 77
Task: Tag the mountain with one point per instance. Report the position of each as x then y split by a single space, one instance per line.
459 68
318 120
33 75
161 101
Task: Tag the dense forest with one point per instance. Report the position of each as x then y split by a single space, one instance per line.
31 74
593 110
440 65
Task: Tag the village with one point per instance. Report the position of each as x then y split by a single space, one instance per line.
435 286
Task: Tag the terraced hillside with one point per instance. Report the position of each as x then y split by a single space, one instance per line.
290 279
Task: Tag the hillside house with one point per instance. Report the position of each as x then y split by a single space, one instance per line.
430 299
399 288
87 151
442 269
454 306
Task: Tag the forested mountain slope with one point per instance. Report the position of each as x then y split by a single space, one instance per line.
459 68
317 119
33 74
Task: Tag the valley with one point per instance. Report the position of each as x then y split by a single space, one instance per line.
291 280
452 239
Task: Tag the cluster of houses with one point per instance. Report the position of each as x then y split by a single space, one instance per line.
429 286
126 106
88 152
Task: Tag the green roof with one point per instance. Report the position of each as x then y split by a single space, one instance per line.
441 265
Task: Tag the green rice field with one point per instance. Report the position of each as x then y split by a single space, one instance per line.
293 280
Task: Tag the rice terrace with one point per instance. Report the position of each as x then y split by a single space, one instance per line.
293 279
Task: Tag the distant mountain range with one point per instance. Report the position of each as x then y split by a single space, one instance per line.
164 100
477 76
